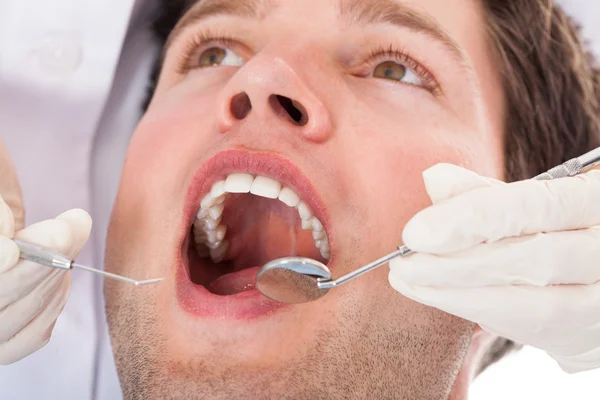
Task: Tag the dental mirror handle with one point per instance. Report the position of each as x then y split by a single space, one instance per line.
54 259
328 284
572 167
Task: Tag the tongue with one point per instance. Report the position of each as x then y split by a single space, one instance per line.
235 282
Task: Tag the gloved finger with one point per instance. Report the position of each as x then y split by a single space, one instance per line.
18 314
578 363
10 190
37 333
516 209
80 224
571 257
538 316
443 181
9 255
25 276
7 220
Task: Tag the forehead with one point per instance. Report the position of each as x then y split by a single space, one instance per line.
425 16
261 8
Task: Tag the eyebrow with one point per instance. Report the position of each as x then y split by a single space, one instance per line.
401 15
198 10
365 12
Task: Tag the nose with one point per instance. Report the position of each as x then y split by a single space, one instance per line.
269 90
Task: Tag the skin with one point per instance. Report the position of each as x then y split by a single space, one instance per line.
362 340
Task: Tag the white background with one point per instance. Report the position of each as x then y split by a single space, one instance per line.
530 373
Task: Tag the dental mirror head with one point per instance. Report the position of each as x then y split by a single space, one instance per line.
300 280
292 280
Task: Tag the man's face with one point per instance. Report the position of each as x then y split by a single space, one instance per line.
344 103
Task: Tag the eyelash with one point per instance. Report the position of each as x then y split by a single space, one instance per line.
206 39
200 42
401 56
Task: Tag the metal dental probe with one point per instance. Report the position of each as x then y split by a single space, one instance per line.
300 280
573 167
54 259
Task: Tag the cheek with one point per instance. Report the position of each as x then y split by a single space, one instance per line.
160 160
392 151
395 124
169 140
150 179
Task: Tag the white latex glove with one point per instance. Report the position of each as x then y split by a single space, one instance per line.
32 296
522 260
10 190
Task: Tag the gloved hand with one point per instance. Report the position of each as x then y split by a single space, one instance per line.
522 260
31 296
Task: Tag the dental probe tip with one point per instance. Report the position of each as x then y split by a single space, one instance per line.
115 276
149 281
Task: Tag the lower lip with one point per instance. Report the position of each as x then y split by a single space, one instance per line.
201 303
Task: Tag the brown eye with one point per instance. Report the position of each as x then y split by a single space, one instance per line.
390 70
212 57
394 71
218 57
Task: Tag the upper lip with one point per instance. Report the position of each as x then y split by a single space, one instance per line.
264 163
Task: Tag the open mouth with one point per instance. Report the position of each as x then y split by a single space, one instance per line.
244 220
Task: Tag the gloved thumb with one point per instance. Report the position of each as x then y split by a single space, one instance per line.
444 181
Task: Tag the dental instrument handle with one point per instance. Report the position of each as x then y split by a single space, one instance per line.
572 167
40 255
54 259
328 284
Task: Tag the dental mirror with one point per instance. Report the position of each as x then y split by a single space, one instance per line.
301 280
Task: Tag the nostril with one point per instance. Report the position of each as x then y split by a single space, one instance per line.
289 106
240 105
294 109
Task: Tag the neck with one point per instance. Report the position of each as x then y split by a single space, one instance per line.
480 344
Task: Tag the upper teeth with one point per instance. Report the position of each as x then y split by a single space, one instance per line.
209 233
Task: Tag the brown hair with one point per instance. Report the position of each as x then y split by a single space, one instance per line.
552 94
550 82
551 91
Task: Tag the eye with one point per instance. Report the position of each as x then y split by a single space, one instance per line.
395 71
217 56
